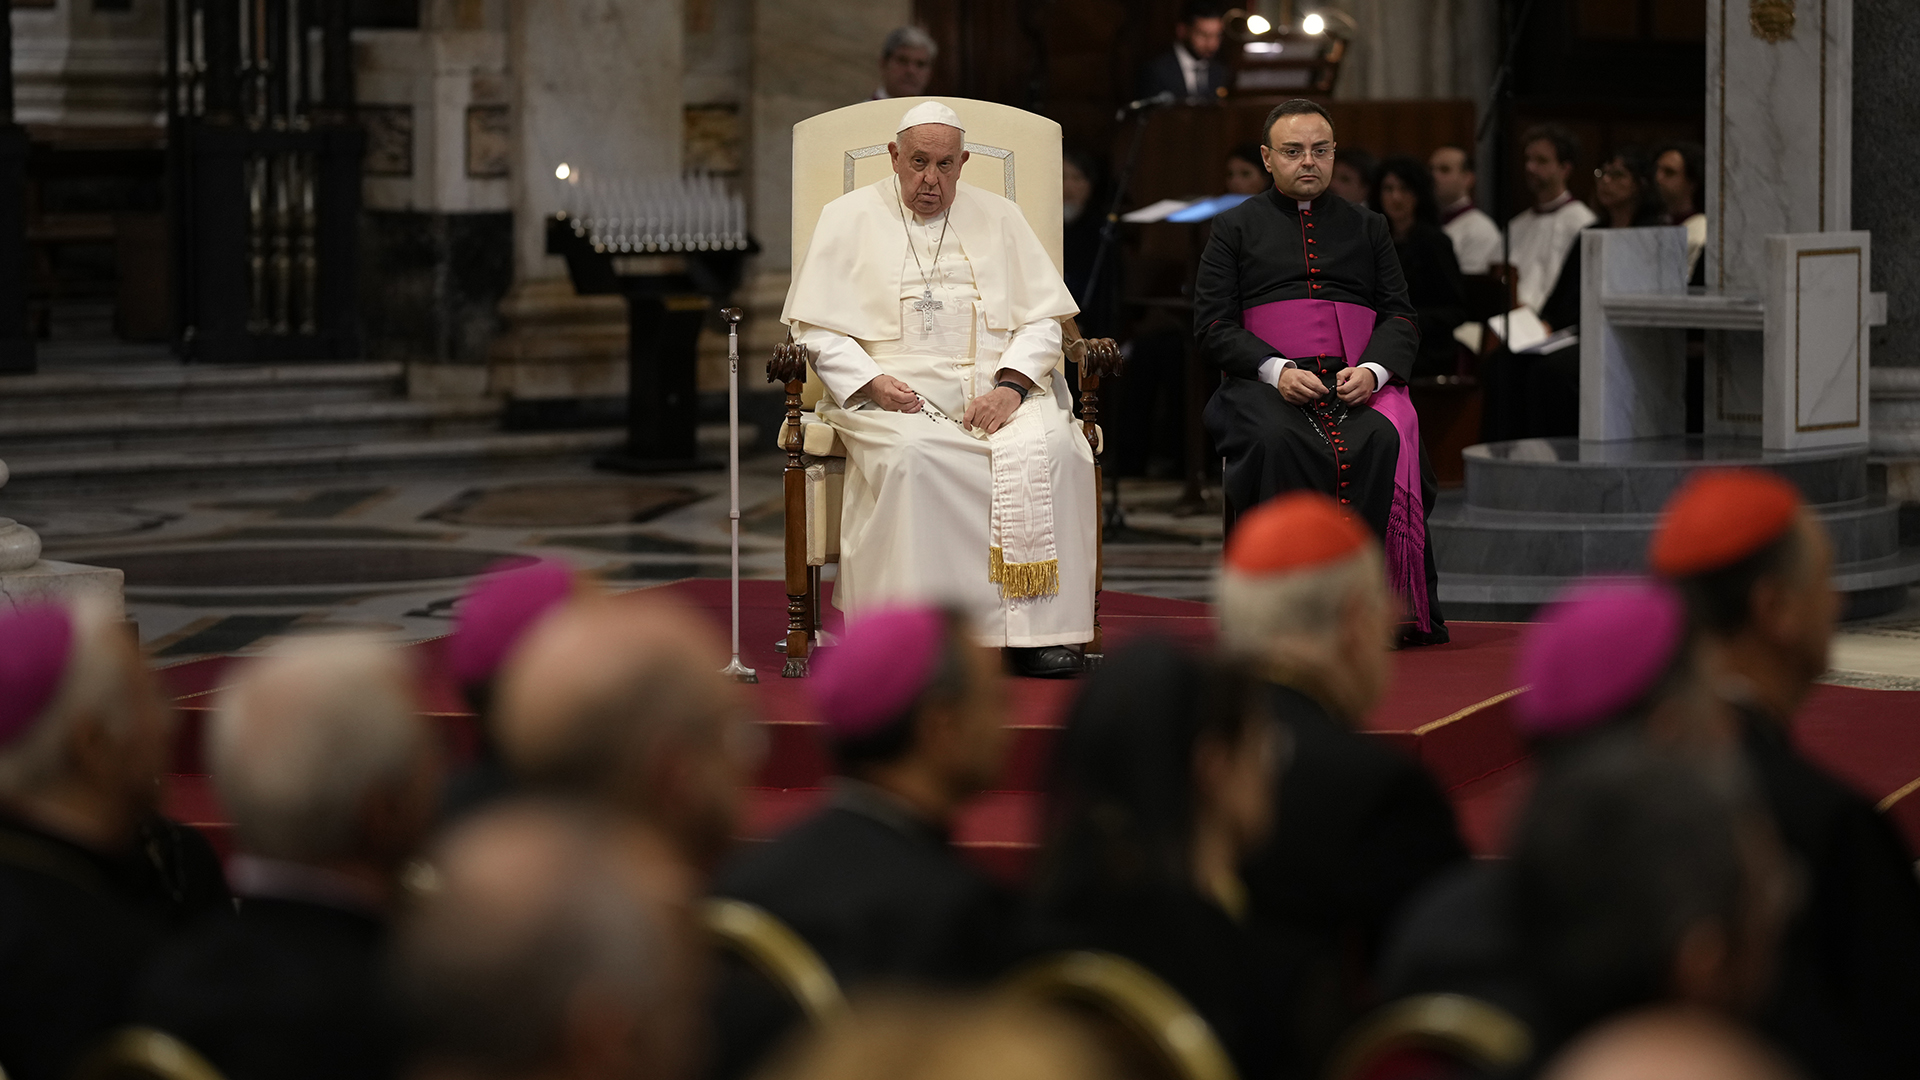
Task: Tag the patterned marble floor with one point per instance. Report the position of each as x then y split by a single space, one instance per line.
231 570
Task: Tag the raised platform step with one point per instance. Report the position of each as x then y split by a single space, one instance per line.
154 386
26 437
1637 476
178 469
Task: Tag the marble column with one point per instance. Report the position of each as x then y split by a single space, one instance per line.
807 59
1886 166
595 85
76 64
26 578
1779 160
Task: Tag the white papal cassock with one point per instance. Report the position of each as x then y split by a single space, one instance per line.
919 515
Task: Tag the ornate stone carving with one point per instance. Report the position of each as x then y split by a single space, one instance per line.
1772 20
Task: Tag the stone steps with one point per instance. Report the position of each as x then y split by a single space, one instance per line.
156 387
205 426
1539 514
66 474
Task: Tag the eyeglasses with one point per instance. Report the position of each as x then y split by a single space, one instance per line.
1295 153
1612 174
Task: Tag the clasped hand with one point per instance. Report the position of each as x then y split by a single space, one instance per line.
1354 385
989 412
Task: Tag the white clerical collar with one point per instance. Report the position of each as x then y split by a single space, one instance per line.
278 879
930 222
1303 204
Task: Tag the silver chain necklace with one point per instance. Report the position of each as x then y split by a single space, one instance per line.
926 305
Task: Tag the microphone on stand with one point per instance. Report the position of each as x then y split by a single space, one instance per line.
1164 97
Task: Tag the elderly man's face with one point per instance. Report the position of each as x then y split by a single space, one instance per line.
906 72
927 159
1299 154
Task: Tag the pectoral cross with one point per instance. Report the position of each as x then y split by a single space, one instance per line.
926 306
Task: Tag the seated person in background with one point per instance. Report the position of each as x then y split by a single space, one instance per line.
1191 70
1246 172
319 754
1623 187
1354 171
1404 195
906 63
1083 209
1359 826
1476 239
932 316
1162 787
1637 877
1544 241
1679 170
1756 568
1300 301
538 956
489 622
915 713
84 738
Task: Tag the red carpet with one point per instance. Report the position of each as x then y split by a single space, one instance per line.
1447 707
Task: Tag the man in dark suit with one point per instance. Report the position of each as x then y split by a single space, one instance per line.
1191 70
1756 568
320 756
914 710
83 738
1359 827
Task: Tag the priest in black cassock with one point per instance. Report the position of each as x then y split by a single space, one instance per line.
1300 301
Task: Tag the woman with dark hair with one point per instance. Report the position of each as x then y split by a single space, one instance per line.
1163 785
1626 193
1246 173
1403 192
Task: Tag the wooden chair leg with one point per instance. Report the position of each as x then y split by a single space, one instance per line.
1101 358
788 366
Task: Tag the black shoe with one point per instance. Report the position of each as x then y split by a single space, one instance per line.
1051 662
1413 637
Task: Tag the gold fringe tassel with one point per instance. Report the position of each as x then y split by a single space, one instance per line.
1023 581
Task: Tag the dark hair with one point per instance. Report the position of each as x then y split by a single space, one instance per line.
1361 162
1293 107
892 740
1089 165
1120 809
1622 850
1417 179
1693 160
1201 9
1720 602
1565 147
1248 152
1466 155
1651 210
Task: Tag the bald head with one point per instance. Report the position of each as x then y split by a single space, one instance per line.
621 700
533 954
1669 1044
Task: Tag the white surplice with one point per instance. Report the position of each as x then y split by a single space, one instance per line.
917 506
1540 240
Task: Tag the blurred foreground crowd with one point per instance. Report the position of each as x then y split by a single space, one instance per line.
1233 879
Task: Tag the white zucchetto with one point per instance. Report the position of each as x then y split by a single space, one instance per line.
930 112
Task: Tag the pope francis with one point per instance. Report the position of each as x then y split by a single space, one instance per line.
932 315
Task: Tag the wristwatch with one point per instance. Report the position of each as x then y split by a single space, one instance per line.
1013 386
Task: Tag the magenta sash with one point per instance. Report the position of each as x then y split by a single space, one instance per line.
1304 328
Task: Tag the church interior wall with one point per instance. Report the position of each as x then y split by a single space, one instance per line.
1886 167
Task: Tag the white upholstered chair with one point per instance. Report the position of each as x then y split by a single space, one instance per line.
1013 153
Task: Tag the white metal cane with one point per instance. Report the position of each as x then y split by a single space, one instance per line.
735 669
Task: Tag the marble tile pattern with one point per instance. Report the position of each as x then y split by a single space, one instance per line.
1779 134
1816 349
1632 378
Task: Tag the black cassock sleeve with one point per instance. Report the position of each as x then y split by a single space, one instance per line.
1396 337
1217 306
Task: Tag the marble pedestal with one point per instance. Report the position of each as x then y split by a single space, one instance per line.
26 579
1541 513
